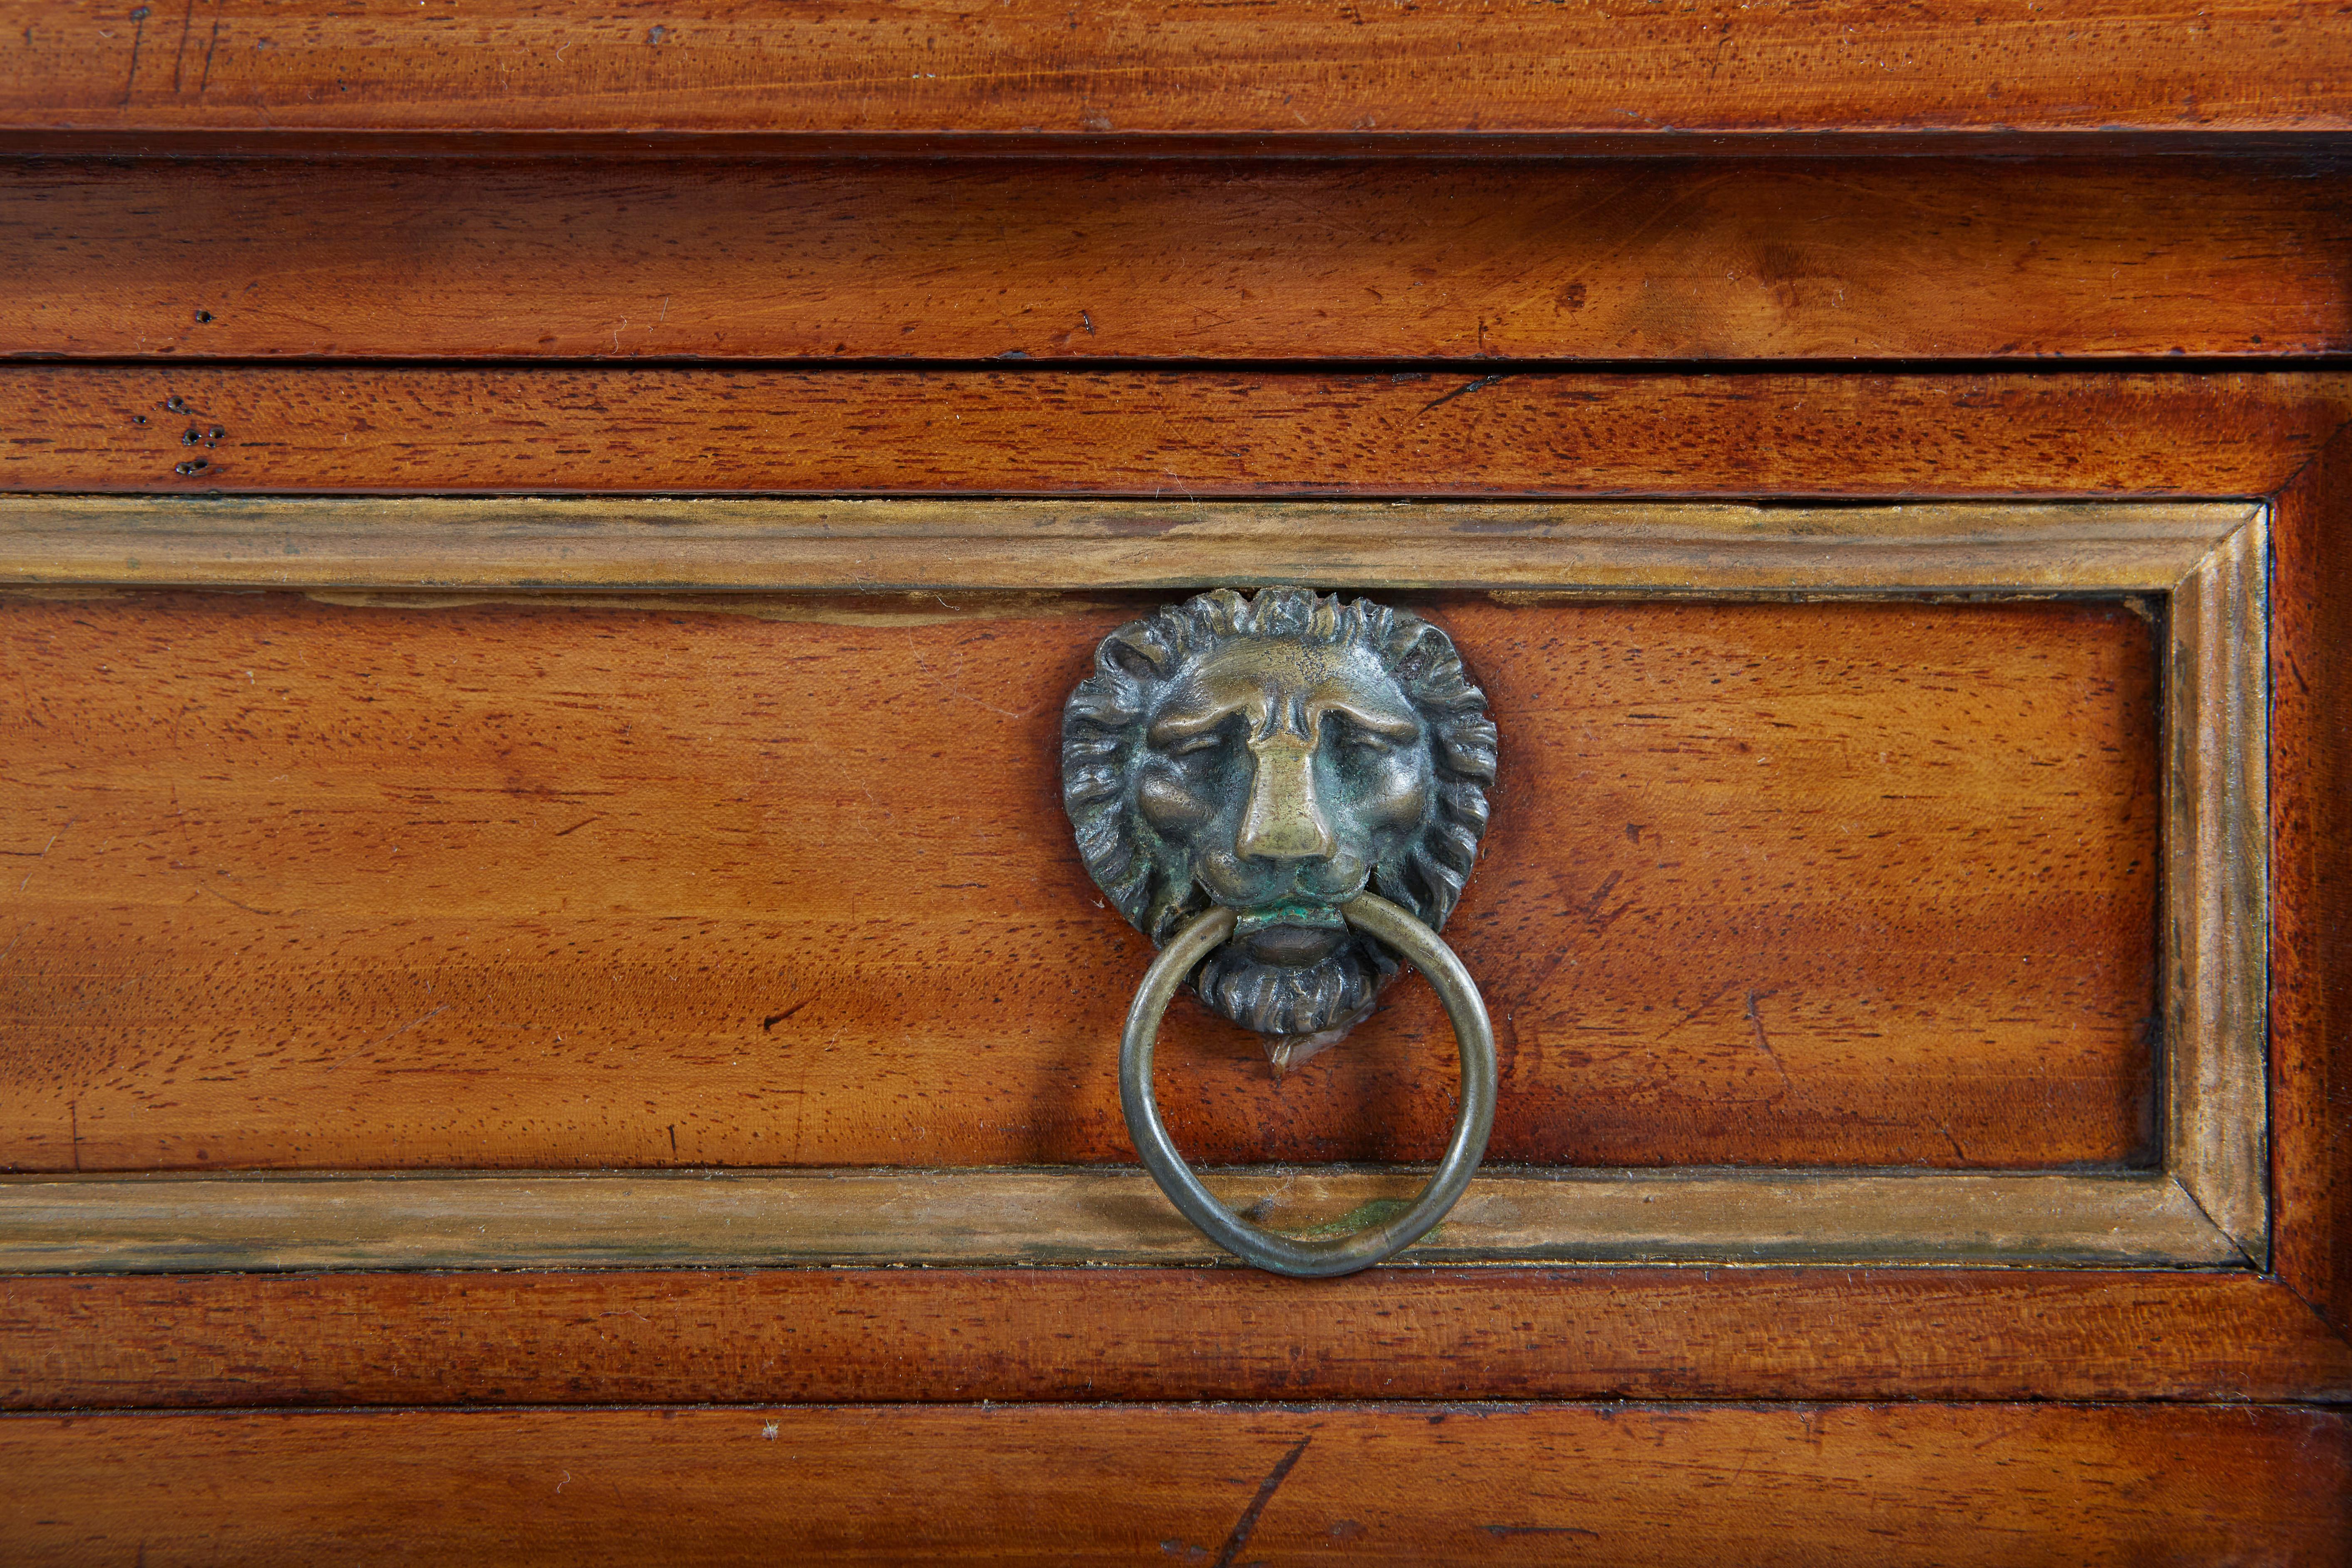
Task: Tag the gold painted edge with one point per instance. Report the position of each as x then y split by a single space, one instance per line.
2217 852
781 546
1078 1217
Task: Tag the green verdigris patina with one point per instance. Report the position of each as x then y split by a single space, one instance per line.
1278 755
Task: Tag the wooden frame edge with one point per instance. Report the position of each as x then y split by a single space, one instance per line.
2311 849
976 1217
885 546
2217 864
2207 1209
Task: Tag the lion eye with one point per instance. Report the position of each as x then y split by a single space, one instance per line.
1196 745
1365 742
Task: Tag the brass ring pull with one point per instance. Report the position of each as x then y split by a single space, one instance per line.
1323 1256
1242 773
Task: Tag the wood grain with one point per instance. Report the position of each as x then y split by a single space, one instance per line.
1995 1485
1529 549
896 1334
306 886
1095 1218
545 883
1407 433
2311 850
2217 892
1296 69
1190 259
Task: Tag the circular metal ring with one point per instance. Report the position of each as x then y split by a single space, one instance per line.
1327 1256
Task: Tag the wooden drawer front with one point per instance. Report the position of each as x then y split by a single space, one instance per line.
562 872
741 259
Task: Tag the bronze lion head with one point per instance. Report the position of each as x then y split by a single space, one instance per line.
1278 755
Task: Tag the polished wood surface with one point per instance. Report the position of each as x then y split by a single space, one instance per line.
718 259
2310 848
1818 885
1294 69
279 897
2000 1486
1204 434
940 1334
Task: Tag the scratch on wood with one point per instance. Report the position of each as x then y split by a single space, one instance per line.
1596 922
250 909
138 35
187 25
1265 1491
1711 998
36 854
1481 384
205 79
773 1019
1505 1532
1592 904
1764 1041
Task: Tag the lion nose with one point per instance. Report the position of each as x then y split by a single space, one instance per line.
1284 819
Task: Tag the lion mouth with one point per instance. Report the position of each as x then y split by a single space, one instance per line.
1292 947
1290 935
1282 894
1320 916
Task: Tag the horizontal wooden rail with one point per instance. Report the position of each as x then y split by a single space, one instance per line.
1183 1331
742 260
1285 69
1472 432
544 1219
882 546
1777 1485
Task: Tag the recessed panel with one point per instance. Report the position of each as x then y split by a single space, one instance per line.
306 886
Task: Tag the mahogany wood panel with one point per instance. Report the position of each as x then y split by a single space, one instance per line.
554 430
1181 258
828 1334
310 886
2010 1486
1290 68
2311 939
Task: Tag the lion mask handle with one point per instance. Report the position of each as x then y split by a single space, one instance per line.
1285 793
